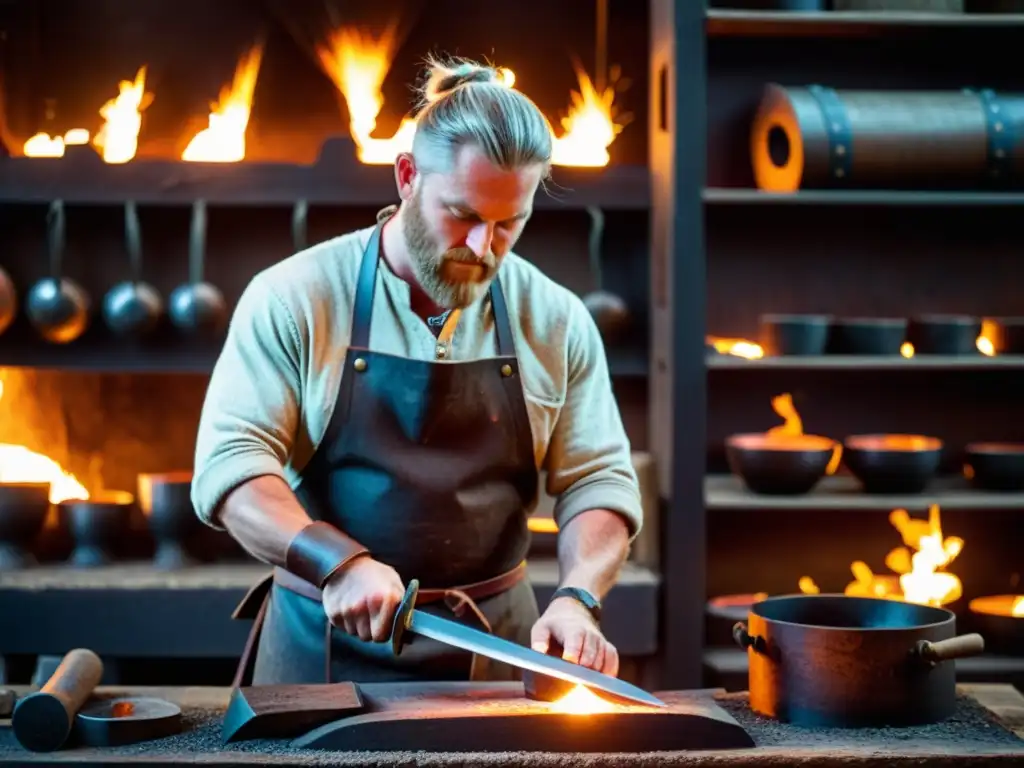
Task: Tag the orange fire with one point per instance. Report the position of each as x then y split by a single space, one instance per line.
918 575
223 140
736 347
118 137
792 427
590 126
44 145
20 465
357 63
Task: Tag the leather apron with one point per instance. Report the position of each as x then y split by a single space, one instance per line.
430 465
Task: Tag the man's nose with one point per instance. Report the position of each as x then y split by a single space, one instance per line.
480 239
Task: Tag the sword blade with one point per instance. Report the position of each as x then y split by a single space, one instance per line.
473 640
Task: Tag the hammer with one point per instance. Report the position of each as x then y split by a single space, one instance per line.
42 720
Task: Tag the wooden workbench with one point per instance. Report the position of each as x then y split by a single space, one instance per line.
988 729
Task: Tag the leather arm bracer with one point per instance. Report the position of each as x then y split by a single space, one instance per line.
319 551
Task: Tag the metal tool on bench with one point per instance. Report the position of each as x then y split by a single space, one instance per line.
42 720
408 619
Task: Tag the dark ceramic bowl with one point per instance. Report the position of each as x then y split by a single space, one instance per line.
867 335
992 617
166 502
97 525
944 334
779 465
893 463
1009 335
23 511
795 334
996 466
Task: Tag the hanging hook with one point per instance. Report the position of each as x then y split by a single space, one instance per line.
594 245
55 237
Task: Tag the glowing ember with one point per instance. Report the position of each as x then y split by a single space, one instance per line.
999 605
20 465
736 347
118 137
1018 607
581 701
44 145
223 141
917 566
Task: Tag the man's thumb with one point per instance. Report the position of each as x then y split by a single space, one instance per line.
540 637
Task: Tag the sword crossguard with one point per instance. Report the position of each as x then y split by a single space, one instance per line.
403 616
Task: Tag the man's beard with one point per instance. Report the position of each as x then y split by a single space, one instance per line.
451 279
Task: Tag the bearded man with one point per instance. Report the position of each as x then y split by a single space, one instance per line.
383 406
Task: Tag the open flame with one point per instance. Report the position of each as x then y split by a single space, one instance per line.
118 137
357 63
44 145
581 701
20 465
223 140
792 429
736 347
918 575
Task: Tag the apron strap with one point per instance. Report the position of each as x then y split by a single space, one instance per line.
363 310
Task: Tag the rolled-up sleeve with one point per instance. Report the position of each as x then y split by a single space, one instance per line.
250 415
588 463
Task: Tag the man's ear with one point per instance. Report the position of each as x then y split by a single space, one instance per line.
405 174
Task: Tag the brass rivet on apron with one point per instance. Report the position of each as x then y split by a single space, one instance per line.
441 351
506 370
359 364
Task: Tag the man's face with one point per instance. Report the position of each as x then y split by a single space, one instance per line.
460 224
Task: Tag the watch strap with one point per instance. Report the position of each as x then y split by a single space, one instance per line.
583 597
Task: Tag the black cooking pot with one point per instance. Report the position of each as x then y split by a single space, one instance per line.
852 662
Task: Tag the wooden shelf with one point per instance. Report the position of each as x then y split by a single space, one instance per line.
869 362
866 197
985 668
741 23
336 178
844 493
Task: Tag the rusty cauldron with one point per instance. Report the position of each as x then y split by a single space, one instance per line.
848 662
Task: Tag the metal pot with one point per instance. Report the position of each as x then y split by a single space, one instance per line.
57 306
849 662
610 313
8 300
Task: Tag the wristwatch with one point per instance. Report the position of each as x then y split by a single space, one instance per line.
582 597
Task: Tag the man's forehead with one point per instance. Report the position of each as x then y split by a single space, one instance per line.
476 182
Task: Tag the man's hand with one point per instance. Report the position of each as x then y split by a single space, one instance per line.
362 599
570 625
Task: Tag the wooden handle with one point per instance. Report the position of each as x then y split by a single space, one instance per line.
955 648
42 721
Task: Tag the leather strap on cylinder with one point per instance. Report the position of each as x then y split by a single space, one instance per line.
319 551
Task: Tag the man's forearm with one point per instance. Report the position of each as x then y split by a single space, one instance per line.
591 549
264 516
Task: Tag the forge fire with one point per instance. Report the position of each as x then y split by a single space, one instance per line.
356 62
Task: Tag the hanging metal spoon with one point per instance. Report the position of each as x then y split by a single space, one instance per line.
609 311
300 217
198 307
57 306
133 308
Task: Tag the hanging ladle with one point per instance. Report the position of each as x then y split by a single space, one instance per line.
133 308
57 306
609 311
300 216
198 307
